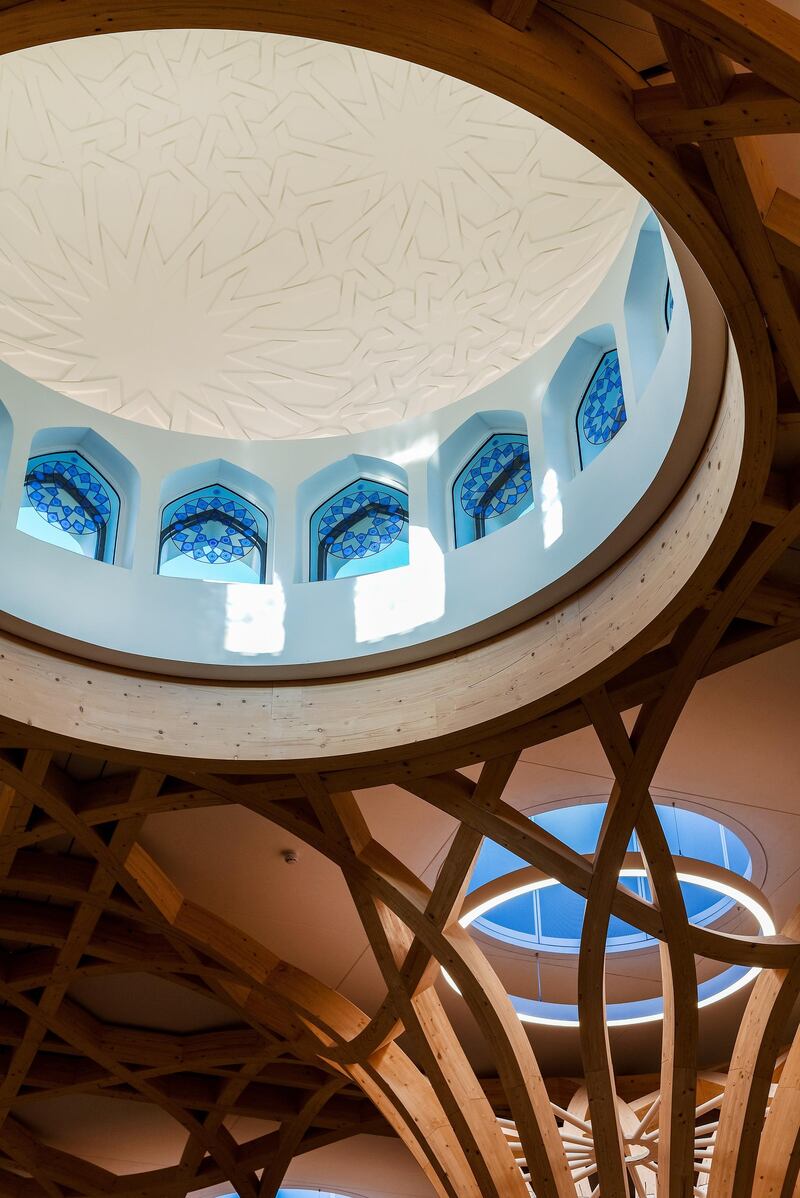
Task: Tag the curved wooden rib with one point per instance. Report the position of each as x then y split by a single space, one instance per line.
778 1161
679 976
291 1136
757 1047
423 1123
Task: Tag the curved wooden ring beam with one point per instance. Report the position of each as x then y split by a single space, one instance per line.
606 627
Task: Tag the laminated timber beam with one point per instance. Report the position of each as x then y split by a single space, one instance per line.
741 178
518 13
758 34
749 106
782 221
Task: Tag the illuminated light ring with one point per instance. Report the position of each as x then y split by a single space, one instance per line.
650 1010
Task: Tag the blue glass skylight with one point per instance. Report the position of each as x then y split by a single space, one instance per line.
67 502
213 534
669 305
292 1193
551 919
493 489
601 413
362 529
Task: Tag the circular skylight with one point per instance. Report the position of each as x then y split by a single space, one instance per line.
250 235
550 919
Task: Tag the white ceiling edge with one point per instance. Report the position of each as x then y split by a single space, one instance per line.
258 236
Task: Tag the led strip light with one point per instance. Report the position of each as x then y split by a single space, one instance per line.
713 991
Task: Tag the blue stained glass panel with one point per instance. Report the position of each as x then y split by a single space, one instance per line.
213 534
360 530
493 488
601 413
69 503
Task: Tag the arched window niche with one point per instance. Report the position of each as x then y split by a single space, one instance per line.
648 305
578 390
601 412
80 494
215 525
495 493
361 529
493 489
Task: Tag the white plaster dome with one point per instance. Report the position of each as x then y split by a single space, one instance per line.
254 236
289 328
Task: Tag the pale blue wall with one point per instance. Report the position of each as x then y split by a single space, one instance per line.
580 522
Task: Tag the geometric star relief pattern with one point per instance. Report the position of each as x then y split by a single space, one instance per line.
250 235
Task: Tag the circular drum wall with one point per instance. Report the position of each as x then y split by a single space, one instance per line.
510 679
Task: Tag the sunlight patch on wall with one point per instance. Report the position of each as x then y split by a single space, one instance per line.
398 601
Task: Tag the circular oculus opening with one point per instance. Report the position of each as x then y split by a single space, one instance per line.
645 1010
549 918
540 915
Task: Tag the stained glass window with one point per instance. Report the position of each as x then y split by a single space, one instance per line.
213 534
669 304
601 413
362 529
493 489
68 502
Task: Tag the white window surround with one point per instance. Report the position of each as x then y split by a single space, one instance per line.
581 522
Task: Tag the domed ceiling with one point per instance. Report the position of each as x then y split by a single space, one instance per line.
256 236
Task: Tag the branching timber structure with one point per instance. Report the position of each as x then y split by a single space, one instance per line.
300 1054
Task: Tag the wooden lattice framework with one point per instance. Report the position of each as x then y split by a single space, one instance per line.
305 1056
